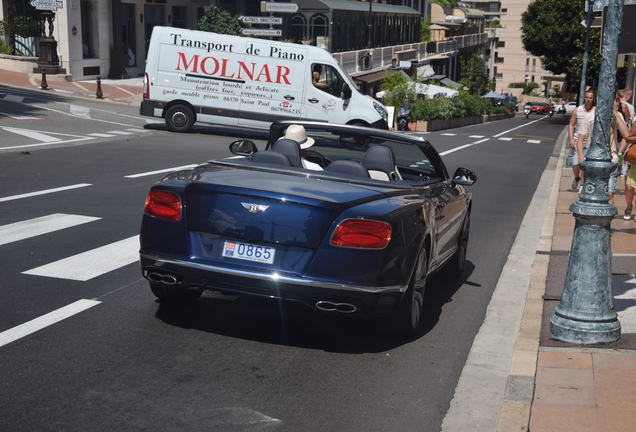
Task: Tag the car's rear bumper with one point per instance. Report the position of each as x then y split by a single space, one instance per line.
368 300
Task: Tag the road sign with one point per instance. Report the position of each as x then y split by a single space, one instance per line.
278 7
261 20
46 4
261 32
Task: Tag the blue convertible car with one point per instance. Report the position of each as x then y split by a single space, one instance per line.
357 234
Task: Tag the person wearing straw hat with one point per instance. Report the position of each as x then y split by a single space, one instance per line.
297 133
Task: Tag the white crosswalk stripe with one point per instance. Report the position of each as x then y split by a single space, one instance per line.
119 132
505 139
101 135
138 130
34 227
448 134
90 264
534 141
43 192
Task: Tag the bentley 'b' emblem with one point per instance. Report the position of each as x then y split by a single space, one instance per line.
255 208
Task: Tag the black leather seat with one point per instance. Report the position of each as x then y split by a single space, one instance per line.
347 167
380 163
289 148
271 158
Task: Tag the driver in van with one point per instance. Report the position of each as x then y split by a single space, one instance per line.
315 79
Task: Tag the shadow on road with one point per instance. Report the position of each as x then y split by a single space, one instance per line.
216 130
295 325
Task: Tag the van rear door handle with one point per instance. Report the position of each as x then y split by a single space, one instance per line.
313 100
289 98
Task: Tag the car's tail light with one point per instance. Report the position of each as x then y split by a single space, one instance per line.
164 205
361 233
146 87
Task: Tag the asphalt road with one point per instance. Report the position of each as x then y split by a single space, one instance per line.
121 361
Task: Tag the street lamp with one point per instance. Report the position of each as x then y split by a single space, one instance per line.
588 23
370 26
586 314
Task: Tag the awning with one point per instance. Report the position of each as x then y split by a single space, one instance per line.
450 83
374 77
425 71
428 90
351 5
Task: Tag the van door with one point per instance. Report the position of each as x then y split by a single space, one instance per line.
323 100
275 88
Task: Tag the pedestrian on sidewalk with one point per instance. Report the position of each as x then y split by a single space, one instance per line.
628 133
582 120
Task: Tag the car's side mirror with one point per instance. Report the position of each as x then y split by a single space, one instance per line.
243 148
346 91
464 177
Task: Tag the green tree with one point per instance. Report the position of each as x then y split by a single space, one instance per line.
425 31
219 21
552 30
473 74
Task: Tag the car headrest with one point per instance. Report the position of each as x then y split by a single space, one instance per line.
380 163
348 167
271 157
289 148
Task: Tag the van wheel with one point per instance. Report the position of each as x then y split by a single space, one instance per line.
179 118
359 123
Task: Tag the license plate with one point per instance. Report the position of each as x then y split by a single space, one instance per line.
249 252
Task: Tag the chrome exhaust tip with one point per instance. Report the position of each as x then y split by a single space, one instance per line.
162 278
327 306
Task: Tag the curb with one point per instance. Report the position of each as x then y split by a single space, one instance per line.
496 386
519 392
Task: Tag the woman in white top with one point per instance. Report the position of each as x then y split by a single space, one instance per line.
581 122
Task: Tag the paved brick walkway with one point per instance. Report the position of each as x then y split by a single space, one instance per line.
126 91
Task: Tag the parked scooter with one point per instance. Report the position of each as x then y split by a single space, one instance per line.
403 116
551 113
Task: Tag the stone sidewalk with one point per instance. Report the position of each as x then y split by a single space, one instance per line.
124 91
558 387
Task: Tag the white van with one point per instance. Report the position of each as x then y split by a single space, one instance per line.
239 81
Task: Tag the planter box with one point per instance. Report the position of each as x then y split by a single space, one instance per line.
440 124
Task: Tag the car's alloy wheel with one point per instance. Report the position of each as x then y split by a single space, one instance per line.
410 312
170 294
179 118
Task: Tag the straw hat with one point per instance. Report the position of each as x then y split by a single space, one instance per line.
298 134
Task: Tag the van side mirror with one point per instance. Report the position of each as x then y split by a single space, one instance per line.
243 148
346 91
464 177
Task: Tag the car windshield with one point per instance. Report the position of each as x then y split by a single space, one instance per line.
409 158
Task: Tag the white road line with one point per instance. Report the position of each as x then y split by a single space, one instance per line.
76 116
44 321
448 134
138 130
34 227
509 130
463 147
505 139
90 264
45 144
62 91
160 171
36 135
534 142
14 98
118 132
476 136
44 192
19 117
101 135
124 90
80 110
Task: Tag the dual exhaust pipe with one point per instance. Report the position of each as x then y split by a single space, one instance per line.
328 306
323 305
163 278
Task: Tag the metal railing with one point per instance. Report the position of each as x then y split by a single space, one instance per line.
363 60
